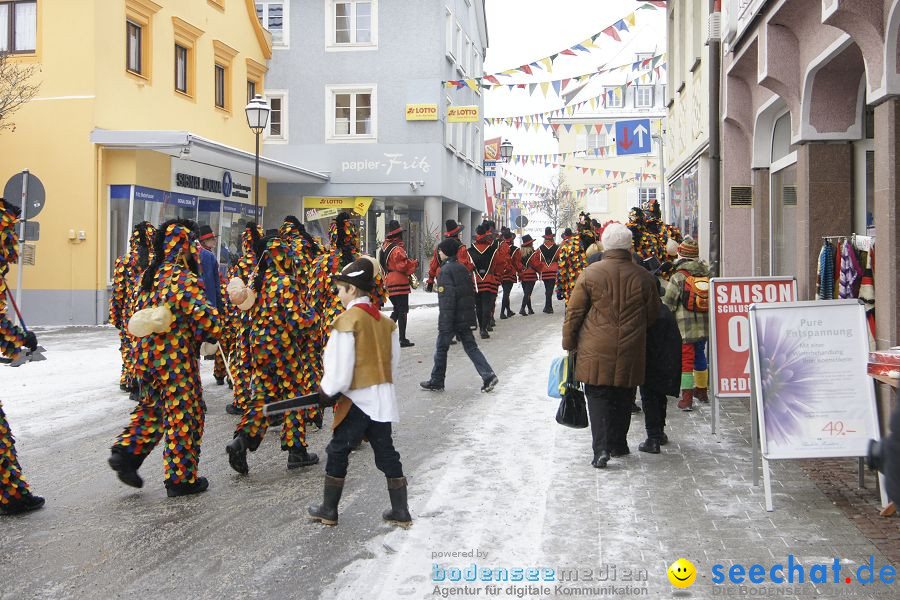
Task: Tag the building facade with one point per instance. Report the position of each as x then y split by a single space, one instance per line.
139 116
632 179
357 86
687 128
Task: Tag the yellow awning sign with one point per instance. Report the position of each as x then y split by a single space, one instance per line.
421 112
463 114
359 204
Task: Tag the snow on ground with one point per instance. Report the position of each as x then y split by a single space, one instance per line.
472 497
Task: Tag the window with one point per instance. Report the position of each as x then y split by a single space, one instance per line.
613 97
277 129
463 147
133 40
181 69
354 22
18 26
465 59
595 141
251 90
352 112
477 147
220 86
643 96
185 42
449 128
647 195
450 34
697 23
274 17
255 74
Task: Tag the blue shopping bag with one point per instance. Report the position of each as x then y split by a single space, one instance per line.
556 382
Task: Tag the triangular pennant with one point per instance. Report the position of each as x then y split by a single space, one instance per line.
630 19
545 85
557 87
611 32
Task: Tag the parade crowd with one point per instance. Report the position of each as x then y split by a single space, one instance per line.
298 319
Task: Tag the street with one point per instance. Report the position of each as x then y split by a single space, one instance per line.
491 474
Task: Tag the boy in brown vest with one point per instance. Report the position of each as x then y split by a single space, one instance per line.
360 360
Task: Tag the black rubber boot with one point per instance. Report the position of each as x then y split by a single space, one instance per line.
600 460
173 490
237 453
126 466
26 503
299 457
399 512
232 409
432 386
327 512
650 446
484 334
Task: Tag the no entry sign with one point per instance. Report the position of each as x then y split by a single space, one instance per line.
730 326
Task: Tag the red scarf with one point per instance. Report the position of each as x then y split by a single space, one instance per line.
376 314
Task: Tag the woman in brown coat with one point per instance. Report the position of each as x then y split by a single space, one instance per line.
614 301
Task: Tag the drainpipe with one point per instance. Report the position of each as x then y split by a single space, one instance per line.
715 167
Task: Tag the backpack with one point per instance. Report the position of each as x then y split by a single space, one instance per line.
695 296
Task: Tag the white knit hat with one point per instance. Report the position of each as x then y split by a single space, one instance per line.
616 237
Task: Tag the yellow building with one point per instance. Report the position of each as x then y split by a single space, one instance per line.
139 116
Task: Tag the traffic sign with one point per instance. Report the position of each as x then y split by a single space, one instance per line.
633 137
521 221
490 168
34 203
32 231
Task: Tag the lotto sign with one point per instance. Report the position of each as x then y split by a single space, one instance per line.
421 112
463 114
730 301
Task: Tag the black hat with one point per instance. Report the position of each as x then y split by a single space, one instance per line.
567 233
548 234
527 240
507 234
206 232
449 246
482 230
453 228
361 273
393 229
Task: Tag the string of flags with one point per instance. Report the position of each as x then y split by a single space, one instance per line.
585 169
585 47
533 200
622 176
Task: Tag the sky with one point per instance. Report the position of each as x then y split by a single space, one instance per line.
522 31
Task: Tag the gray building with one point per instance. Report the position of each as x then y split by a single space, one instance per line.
343 77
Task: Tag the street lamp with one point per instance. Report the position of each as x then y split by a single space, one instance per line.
257 118
506 150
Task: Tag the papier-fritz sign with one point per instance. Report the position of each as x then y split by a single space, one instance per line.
730 305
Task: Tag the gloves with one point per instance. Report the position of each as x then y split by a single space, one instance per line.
429 287
31 341
325 400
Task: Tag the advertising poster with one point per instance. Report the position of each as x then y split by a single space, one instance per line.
813 395
730 300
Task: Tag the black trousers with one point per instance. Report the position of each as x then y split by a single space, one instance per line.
400 302
527 289
654 406
549 285
439 371
504 305
609 409
484 307
350 433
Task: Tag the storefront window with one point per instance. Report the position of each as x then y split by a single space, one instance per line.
684 199
119 198
784 221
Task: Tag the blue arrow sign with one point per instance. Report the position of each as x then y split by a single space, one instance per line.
633 137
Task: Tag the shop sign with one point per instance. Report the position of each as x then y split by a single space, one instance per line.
421 112
314 214
211 182
492 150
358 204
153 195
730 300
463 114
391 162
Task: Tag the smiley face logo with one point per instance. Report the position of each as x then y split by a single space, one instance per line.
682 573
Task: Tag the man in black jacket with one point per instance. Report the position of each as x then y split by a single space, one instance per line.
456 303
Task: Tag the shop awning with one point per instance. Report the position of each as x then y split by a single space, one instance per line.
183 144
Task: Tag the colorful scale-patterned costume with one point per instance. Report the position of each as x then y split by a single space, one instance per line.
13 488
226 340
279 321
239 321
126 279
171 408
572 262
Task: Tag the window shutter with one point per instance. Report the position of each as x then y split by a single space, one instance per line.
790 195
741 195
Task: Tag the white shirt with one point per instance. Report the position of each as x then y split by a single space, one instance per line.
379 402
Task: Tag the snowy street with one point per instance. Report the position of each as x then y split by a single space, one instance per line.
492 474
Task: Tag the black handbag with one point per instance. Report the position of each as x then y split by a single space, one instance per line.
572 410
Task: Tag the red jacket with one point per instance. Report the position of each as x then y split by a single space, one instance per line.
531 267
486 258
513 270
435 266
397 267
548 255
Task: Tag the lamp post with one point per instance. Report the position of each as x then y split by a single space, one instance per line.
257 118
506 150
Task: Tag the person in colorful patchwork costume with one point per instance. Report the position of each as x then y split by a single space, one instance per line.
306 249
172 319
238 321
278 323
15 495
684 297
126 279
572 261
399 267
645 242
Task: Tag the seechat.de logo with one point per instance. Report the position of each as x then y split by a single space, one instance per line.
682 573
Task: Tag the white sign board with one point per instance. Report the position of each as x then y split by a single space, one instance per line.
814 398
205 181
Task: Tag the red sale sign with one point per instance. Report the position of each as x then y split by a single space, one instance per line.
730 300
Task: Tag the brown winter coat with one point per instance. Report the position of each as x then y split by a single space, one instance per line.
611 307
